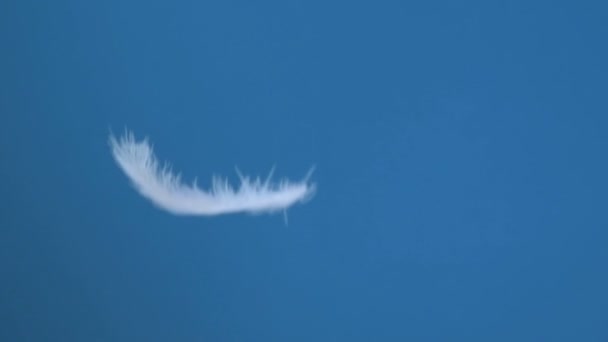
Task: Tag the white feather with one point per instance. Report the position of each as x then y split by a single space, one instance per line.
165 189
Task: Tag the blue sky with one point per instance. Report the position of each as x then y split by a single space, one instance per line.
460 153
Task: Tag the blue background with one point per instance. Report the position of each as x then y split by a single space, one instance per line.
461 164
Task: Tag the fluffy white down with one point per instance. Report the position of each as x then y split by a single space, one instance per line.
164 188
